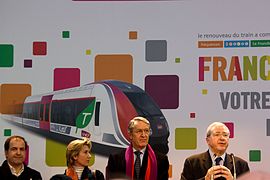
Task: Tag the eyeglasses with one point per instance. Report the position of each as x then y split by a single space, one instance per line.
225 135
141 131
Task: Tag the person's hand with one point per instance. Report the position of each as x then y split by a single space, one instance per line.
218 171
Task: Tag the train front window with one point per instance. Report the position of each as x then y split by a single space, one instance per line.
66 111
146 107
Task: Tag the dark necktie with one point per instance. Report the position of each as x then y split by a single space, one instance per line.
218 159
137 165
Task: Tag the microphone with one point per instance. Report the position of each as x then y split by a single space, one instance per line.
234 168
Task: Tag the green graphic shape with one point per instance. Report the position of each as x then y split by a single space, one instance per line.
260 43
6 55
7 132
65 34
55 155
255 155
84 118
177 60
185 138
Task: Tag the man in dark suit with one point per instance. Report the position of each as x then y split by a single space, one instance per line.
13 168
214 163
147 164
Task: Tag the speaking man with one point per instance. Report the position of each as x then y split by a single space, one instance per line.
214 163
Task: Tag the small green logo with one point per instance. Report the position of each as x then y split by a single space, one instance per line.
84 118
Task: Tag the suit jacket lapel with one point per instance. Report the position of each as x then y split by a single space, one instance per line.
144 164
207 161
228 163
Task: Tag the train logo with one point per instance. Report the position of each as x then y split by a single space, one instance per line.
101 110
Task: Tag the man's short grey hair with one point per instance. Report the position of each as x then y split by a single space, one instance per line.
210 128
132 122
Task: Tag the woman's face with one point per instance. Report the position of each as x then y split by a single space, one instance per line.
83 158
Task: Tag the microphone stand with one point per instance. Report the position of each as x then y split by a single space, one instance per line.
234 168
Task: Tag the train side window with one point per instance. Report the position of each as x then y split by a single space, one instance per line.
28 111
81 105
68 113
41 111
97 111
35 108
47 108
55 112
25 111
58 112
31 114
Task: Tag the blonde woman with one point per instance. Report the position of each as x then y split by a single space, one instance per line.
78 157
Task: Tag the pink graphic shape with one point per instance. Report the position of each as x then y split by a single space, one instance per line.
66 78
164 89
230 125
39 48
28 63
26 161
192 115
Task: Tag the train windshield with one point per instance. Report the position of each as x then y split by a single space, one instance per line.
146 107
144 104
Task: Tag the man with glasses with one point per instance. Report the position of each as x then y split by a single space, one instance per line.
138 161
215 163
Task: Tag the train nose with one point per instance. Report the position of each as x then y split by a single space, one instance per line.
160 144
159 134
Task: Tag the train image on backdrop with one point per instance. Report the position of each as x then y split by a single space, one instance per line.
101 110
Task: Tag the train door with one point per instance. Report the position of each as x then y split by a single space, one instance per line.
97 130
44 113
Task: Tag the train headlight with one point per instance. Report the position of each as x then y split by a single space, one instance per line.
150 133
159 126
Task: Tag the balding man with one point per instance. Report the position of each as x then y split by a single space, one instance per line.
13 168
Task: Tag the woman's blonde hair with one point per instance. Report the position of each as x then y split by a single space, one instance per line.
74 148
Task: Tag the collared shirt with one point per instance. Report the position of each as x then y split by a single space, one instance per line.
13 170
141 155
213 157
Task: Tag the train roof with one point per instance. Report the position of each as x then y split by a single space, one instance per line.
124 86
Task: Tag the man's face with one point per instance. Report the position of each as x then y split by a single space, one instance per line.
140 135
218 141
16 152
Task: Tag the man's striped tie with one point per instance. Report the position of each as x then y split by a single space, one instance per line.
137 165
